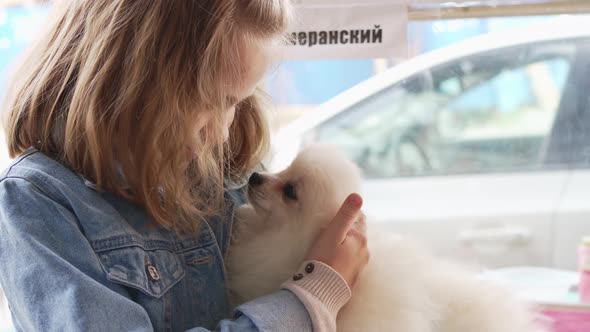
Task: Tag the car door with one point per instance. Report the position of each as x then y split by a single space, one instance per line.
571 143
457 155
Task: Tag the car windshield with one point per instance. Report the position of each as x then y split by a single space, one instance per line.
484 112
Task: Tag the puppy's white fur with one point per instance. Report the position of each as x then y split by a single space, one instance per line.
403 288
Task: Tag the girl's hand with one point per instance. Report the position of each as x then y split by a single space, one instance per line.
343 244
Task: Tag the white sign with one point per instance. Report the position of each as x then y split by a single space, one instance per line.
348 30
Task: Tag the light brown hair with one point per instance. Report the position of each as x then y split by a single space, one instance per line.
114 88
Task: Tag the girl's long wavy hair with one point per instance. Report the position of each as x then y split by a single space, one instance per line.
114 90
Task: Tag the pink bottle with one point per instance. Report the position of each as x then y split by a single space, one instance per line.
584 269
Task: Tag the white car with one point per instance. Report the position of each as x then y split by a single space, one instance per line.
481 149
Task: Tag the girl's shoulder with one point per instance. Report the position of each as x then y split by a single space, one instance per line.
44 173
34 181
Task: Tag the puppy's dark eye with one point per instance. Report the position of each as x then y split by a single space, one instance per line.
289 192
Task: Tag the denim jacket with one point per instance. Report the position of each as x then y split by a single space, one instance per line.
74 259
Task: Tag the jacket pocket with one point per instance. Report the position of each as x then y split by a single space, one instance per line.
153 272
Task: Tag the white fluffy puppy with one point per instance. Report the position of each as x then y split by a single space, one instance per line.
403 288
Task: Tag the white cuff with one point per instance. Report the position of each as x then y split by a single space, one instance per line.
322 290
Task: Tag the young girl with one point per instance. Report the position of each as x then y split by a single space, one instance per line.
130 120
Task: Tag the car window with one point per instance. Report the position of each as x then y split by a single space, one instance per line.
491 112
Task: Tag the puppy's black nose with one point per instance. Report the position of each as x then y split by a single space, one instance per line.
255 179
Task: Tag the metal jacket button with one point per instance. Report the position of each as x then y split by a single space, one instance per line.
151 271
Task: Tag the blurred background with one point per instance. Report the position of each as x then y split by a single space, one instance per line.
478 143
